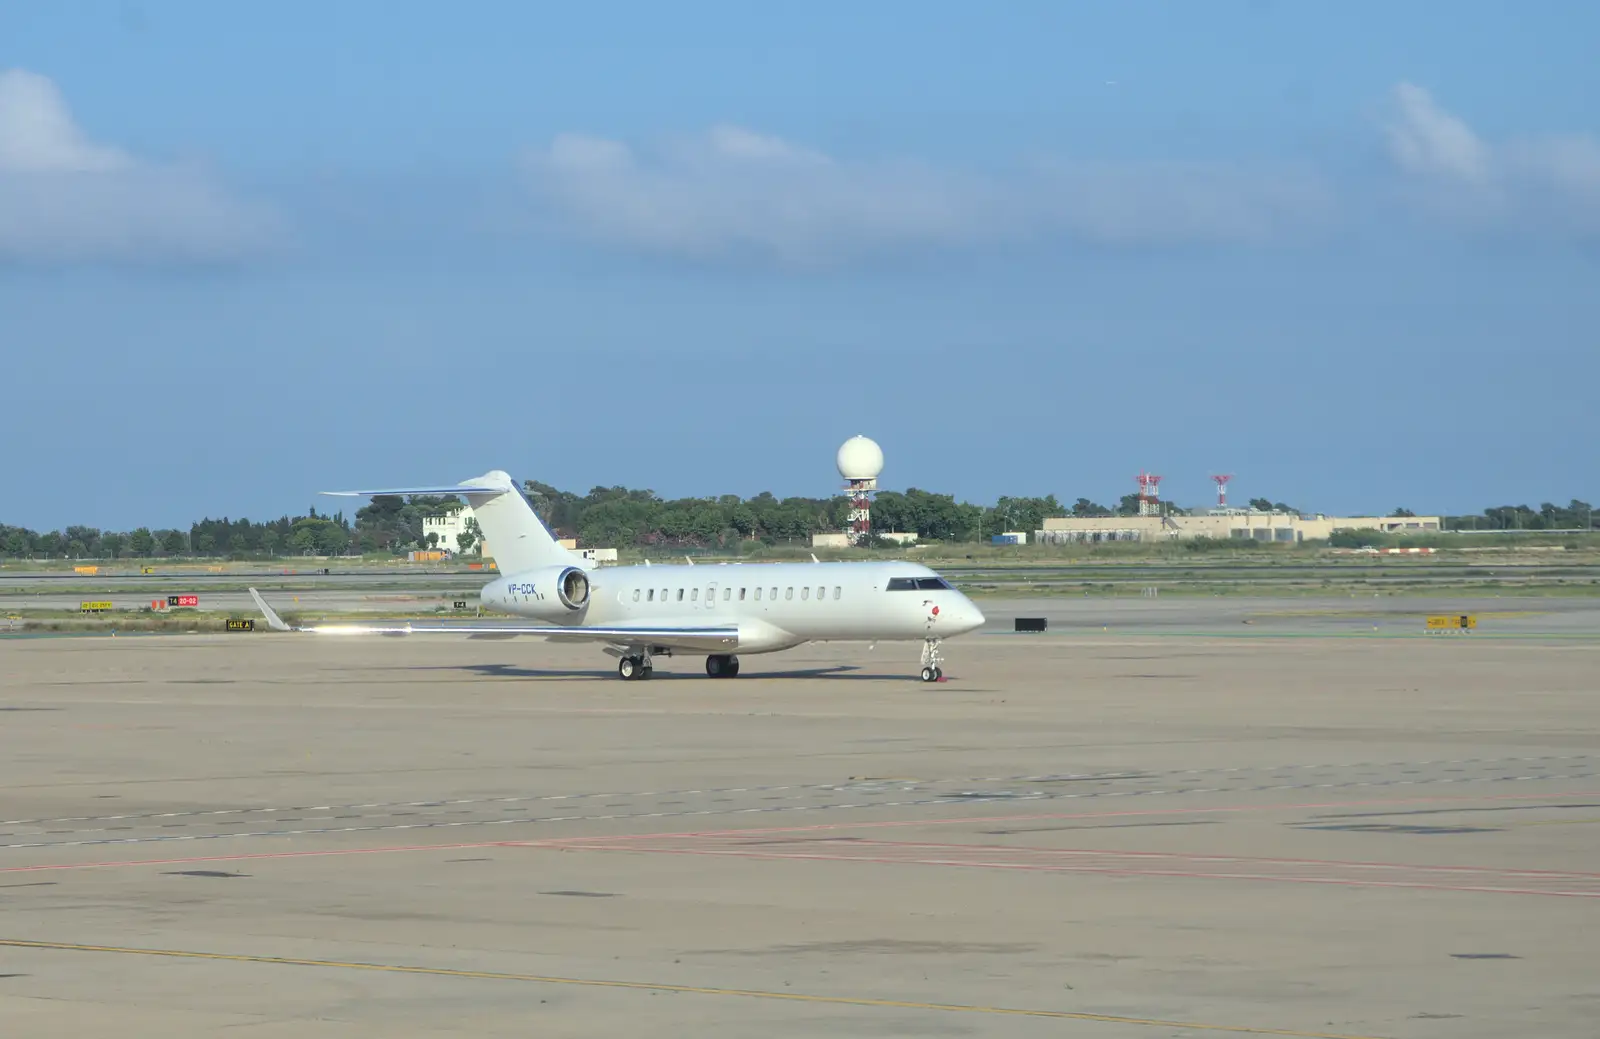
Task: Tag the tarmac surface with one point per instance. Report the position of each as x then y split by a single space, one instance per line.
1288 827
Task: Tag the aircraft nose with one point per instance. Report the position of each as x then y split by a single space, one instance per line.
968 617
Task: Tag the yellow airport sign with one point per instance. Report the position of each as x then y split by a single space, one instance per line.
1452 622
247 624
86 569
93 607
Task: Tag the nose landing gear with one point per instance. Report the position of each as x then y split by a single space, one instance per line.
931 661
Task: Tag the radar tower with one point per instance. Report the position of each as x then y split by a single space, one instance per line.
860 460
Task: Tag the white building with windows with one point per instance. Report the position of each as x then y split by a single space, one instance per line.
449 526
1237 524
593 555
838 540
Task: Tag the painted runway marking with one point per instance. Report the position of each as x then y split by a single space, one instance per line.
82 838
649 986
1124 864
1212 857
886 824
853 784
879 824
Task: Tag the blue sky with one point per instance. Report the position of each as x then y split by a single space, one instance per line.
1350 253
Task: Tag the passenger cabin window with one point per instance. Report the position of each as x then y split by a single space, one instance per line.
680 595
741 595
822 593
788 593
651 597
636 595
758 595
773 594
912 584
836 590
805 593
695 595
727 594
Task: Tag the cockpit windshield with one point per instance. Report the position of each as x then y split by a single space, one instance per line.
914 584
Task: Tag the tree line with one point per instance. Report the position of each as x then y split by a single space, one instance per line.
623 517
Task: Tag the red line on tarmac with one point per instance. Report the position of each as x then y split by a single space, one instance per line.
591 842
1206 857
1105 871
251 856
1042 816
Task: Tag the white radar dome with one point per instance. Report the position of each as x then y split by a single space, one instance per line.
859 459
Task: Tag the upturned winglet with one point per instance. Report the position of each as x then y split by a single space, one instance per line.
274 621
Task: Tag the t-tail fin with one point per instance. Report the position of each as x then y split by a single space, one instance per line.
513 534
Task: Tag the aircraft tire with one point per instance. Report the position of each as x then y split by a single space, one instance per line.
930 674
628 668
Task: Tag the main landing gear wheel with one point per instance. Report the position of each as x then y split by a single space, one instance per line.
722 665
631 668
931 671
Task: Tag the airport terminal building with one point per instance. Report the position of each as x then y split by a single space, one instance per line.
1223 524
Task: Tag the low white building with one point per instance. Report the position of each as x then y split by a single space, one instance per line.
838 540
593 555
448 527
1241 524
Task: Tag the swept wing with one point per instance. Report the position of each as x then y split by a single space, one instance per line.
709 638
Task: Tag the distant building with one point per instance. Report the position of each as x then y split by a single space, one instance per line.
593 555
845 540
1223 524
448 526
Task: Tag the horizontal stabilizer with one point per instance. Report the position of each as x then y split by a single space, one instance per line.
458 488
453 489
489 484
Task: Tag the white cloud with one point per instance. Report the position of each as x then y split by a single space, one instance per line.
1539 182
63 196
732 191
1425 139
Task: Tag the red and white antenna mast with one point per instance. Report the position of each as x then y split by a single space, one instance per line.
1222 489
1149 494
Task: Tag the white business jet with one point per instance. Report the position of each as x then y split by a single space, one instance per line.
641 612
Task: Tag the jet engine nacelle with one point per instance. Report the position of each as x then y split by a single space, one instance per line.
567 585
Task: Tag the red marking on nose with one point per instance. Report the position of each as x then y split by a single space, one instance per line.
936 611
